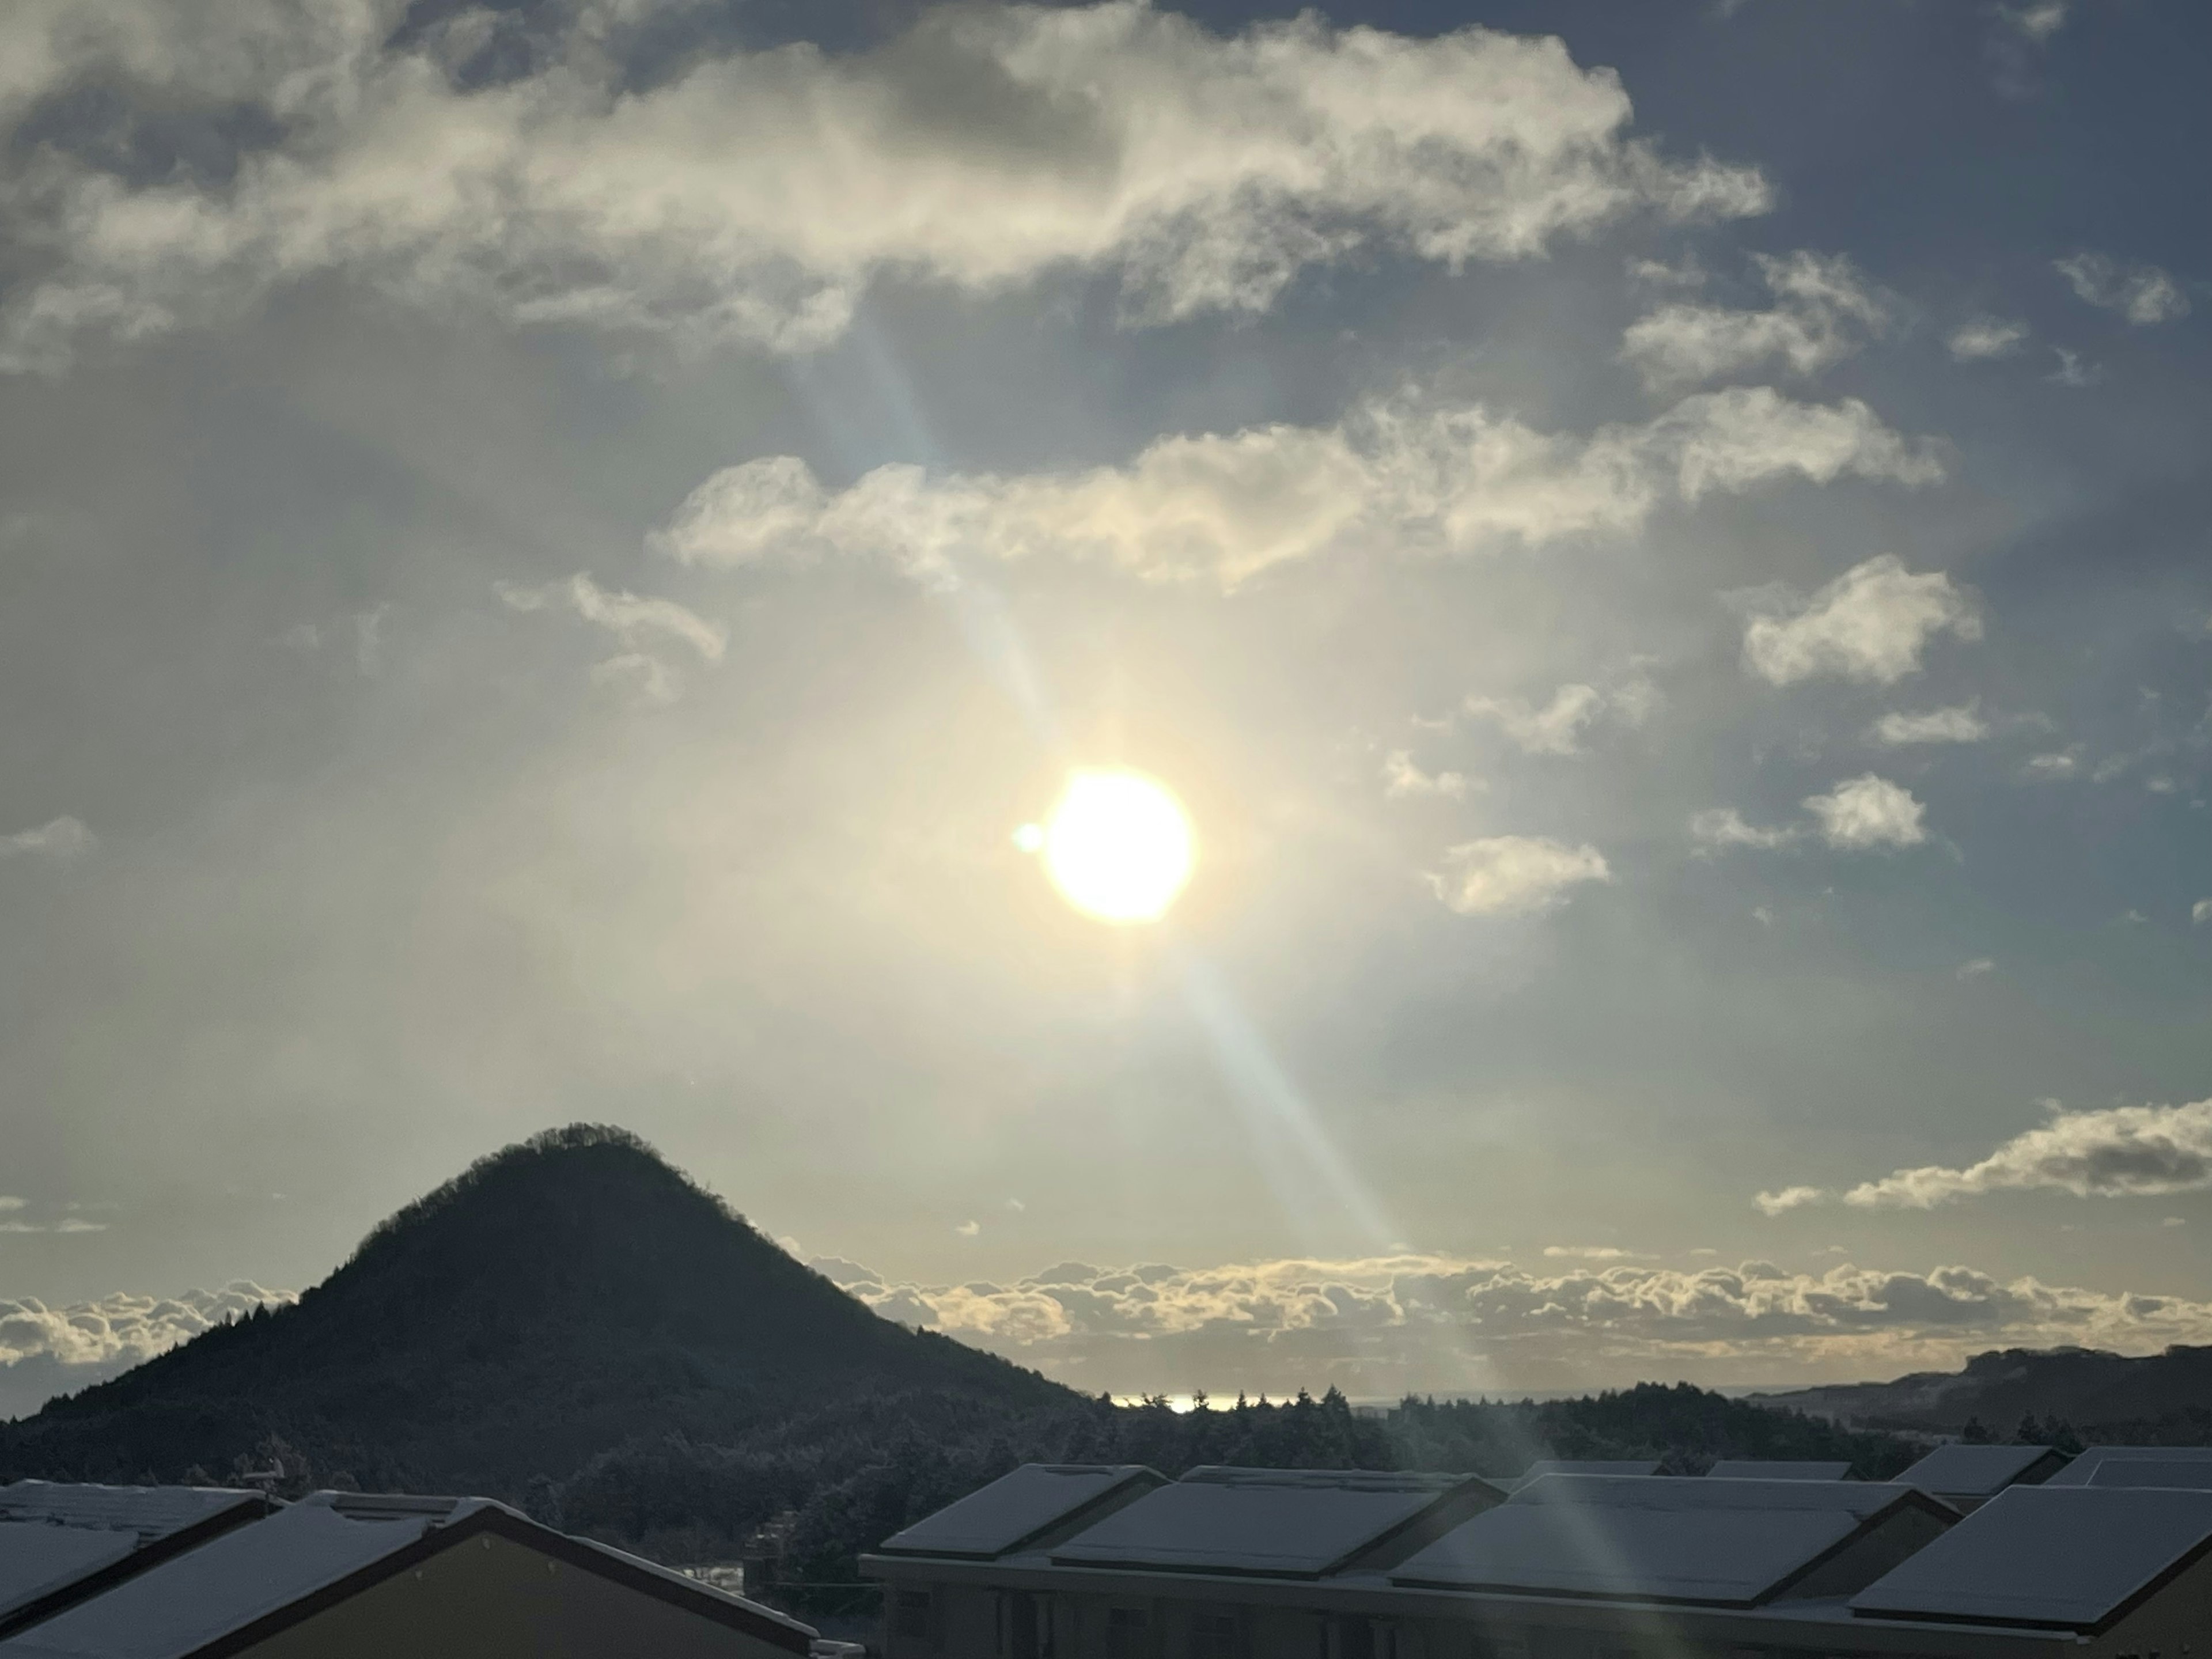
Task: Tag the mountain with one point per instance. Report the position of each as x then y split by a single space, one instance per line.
2159 1399
560 1298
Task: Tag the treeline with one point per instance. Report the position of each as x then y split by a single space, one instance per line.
833 1484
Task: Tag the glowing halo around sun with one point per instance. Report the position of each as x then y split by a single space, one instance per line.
1117 845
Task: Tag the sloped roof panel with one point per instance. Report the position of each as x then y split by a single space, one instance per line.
1294 1523
2082 1471
1753 1468
2192 1474
2066 1557
1973 1471
149 1512
1730 1542
1013 1509
37 1557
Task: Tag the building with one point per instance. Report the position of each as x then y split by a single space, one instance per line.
114 1572
1300 1564
2138 1466
1759 1469
1966 1477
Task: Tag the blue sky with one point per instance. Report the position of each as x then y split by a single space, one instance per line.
547 552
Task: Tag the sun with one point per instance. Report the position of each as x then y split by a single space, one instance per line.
1117 844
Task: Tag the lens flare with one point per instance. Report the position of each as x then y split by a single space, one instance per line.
1119 846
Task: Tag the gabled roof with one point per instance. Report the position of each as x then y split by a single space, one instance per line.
60 1544
1297 1523
2068 1557
1962 1471
1728 1542
2087 1470
256 1580
1753 1468
1615 1466
1018 1508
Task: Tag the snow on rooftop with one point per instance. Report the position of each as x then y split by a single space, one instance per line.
192 1599
1973 1471
1731 1542
150 1512
2071 1557
1013 1509
1288 1522
1754 1468
37 1557
2084 1470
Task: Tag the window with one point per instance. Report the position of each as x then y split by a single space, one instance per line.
913 1616
1129 1633
1216 1636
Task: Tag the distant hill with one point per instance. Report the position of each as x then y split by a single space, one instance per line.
560 1298
574 1326
2157 1399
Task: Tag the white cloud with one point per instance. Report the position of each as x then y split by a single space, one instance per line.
1558 726
1823 311
1977 968
2200 912
1723 826
2120 1152
45 1350
56 838
1388 1324
1981 338
968 1229
7 1204
755 195
2073 371
1871 623
1790 1198
1426 479
2142 294
2056 764
1587 1253
1514 875
1403 780
1962 724
626 616
2039 19
1868 811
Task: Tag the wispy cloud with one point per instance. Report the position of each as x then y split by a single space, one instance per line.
1823 311
1962 724
2142 294
60 838
1423 478
1981 338
1559 726
1515 875
1872 623
1723 826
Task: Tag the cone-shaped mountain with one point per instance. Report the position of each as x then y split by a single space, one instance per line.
563 1297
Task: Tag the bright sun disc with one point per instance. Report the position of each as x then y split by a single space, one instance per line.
1118 846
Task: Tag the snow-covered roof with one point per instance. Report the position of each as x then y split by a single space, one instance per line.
1016 1508
38 1559
1963 1471
2090 1468
2066 1557
1755 1468
1728 1542
1277 1522
147 1512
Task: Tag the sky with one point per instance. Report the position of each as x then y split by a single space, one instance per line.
548 552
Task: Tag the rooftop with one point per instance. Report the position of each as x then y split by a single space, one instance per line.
1977 1471
1017 1509
2053 1556
2089 1469
1753 1468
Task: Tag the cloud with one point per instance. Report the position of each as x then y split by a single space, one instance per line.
1431 480
2142 294
1962 724
1790 1198
2073 371
1514 875
1558 728
1723 826
968 1229
46 1351
2200 912
1981 338
1402 780
2053 765
1868 811
2121 1152
2039 19
1587 1253
1380 1326
7 1204
633 620
1977 968
62 838
1871 623
1823 311
753 196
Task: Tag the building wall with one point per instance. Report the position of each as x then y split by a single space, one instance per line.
2176 1620
488 1597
